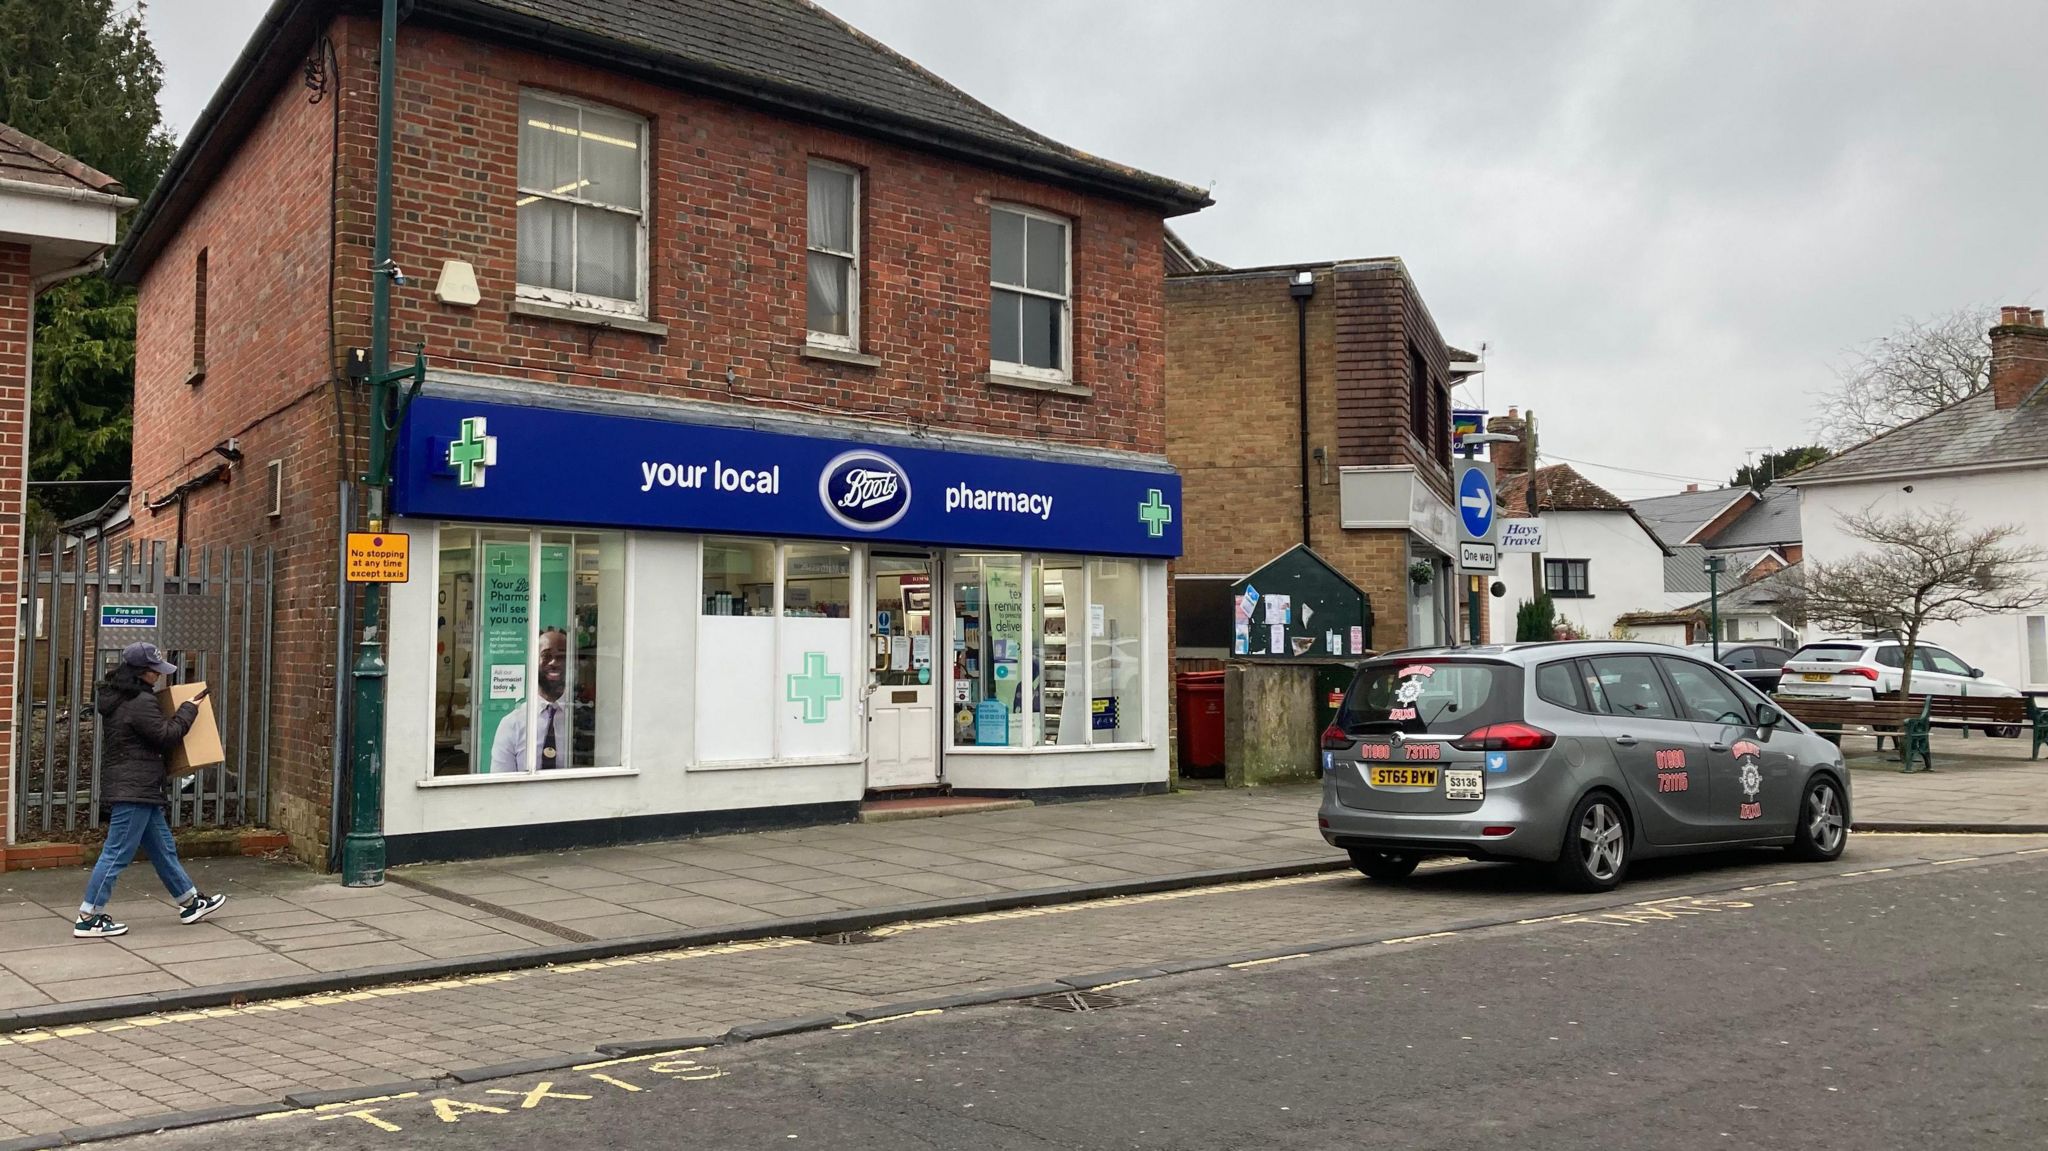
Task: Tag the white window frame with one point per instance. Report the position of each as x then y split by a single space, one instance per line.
850 342
579 300
1065 372
1035 610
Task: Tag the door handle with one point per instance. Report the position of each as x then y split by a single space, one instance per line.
1625 740
1717 747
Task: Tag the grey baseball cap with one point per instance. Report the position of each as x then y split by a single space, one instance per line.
145 656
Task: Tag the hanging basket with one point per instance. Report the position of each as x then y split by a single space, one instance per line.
1421 574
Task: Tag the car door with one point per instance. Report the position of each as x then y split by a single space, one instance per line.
1946 675
1659 752
1753 785
1770 668
1740 660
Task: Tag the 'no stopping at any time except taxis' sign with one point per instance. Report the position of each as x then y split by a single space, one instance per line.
379 557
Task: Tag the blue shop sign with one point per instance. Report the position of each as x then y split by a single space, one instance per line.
470 460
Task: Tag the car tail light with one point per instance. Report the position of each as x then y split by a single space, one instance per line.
1334 738
1506 737
1869 673
1496 832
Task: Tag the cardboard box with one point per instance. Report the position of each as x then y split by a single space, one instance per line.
201 747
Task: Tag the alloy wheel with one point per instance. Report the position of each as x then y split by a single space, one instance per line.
1824 823
1602 842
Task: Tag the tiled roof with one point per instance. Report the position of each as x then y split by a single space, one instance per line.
791 57
1774 520
29 160
1460 355
1677 517
1972 431
1766 594
1558 488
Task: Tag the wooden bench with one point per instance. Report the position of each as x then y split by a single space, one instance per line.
1888 717
1986 712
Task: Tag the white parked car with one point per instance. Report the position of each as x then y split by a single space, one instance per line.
1860 669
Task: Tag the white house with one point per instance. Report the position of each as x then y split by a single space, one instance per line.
1600 561
1986 457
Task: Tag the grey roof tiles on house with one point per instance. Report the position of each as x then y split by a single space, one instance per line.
30 161
1677 517
1774 520
1967 433
1766 593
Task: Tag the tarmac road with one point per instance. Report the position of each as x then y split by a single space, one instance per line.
1885 1009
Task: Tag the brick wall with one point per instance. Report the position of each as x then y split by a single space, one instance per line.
15 304
1233 409
726 271
263 227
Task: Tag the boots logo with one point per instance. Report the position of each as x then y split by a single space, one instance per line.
864 490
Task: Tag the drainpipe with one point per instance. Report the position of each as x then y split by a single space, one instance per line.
1303 288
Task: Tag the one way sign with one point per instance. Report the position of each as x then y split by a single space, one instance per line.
1476 504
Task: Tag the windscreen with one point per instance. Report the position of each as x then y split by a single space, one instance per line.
1441 697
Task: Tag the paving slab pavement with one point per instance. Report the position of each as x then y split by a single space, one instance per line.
284 922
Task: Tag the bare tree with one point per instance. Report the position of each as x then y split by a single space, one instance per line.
1921 367
1922 567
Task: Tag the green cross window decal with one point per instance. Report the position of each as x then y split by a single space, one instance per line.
814 687
472 452
1156 513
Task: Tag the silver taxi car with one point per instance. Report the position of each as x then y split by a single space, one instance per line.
1580 756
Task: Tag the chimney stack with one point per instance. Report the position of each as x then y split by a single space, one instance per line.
1692 487
1508 458
2019 356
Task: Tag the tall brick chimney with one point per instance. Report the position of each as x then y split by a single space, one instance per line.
1508 459
2019 355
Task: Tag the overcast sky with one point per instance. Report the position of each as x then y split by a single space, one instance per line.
1667 221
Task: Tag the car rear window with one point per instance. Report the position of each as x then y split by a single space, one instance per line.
1423 696
1829 653
1558 683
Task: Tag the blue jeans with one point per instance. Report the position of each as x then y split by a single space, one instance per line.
132 826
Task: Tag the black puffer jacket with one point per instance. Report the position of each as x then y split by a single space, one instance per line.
134 736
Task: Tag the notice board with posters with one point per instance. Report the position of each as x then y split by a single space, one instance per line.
1299 608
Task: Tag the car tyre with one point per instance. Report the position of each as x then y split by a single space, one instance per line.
1597 848
1384 865
1823 822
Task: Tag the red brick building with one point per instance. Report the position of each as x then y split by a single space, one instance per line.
57 219
657 230
1378 381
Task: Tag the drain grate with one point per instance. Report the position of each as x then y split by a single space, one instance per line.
1078 1001
849 938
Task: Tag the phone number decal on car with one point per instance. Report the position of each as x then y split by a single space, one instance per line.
1425 751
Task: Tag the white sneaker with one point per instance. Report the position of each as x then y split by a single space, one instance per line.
200 908
101 926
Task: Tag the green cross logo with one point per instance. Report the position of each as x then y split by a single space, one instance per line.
501 563
1156 513
813 688
472 452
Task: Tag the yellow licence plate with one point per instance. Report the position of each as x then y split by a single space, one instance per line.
1404 777
1816 677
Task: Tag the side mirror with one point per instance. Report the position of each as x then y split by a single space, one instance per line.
1769 717
1976 673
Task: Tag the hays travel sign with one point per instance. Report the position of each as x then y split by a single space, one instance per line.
467 460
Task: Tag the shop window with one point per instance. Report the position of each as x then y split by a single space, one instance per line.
832 240
1047 652
581 187
775 648
1116 650
1029 293
1058 645
530 671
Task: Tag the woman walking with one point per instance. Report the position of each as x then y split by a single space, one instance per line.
134 736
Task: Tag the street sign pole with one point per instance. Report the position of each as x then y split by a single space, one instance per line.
1478 521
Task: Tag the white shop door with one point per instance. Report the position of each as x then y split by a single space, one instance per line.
903 713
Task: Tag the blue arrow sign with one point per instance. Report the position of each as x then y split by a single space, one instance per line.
1475 503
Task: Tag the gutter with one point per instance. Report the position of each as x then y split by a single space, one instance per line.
1919 473
75 195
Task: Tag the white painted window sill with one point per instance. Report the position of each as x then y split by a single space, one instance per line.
1051 749
543 310
527 777
761 764
841 356
1004 379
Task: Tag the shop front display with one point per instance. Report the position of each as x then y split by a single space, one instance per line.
696 617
